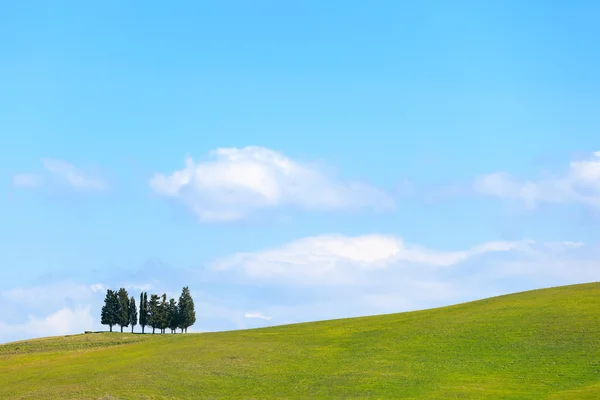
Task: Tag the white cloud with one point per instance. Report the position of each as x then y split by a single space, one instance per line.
257 315
26 180
580 184
61 322
239 181
340 259
72 176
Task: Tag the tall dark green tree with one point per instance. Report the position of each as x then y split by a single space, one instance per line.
133 313
173 316
123 318
153 312
110 311
143 310
164 313
187 313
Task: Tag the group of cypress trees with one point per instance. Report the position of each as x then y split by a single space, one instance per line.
158 313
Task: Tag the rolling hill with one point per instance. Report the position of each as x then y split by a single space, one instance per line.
542 344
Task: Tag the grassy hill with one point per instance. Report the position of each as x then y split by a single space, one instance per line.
542 344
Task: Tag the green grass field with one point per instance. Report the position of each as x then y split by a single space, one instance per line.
542 344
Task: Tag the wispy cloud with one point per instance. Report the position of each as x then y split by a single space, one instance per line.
68 174
579 184
238 181
62 172
341 259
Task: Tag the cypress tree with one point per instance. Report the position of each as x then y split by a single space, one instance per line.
146 312
173 316
110 311
164 313
143 310
123 318
153 315
133 314
187 313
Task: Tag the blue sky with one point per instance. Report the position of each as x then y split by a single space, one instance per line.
343 158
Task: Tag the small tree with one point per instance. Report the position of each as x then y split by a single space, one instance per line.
143 310
110 311
153 312
133 314
173 316
123 319
187 313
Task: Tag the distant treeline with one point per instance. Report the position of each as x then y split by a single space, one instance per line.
158 313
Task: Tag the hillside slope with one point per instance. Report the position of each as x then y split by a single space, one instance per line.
542 344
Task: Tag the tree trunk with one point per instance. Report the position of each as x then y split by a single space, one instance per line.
131 328
121 328
143 328
153 330
111 328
